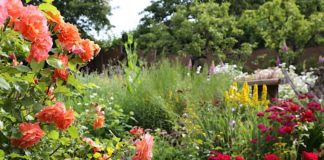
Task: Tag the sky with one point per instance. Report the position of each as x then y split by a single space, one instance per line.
125 15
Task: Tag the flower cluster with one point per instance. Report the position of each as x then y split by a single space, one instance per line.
33 26
214 155
302 83
288 118
56 114
234 97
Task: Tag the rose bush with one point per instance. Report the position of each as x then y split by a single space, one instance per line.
40 55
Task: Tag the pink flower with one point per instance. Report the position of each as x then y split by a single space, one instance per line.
144 148
310 155
254 140
269 137
3 13
95 147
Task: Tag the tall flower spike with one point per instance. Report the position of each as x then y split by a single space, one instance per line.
255 95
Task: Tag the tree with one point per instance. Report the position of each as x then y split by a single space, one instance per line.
88 15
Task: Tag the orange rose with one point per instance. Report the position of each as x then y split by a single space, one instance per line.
31 134
69 37
99 122
51 113
65 120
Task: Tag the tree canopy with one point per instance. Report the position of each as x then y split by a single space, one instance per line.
229 28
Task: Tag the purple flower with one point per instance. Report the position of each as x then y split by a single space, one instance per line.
212 68
278 62
189 64
284 47
321 59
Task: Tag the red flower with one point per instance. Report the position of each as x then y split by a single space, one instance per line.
254 140
310 155
308 116
314 106
263 128
137 131
260 114
239 158
31 134
65 120
285 129
50 114
99 122
269 156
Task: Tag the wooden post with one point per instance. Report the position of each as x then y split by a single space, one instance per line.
272 86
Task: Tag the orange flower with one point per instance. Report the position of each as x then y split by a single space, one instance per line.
144 148
99 122
62 73
40 48
56 19
65 120
31 134
56 114
90 50
14 8
32 23
69 37
50 114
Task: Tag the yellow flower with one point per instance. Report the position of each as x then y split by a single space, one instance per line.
255 95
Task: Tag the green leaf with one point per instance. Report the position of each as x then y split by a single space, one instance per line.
2 154
48 7
65 141
73 131
16 155
4 84
22 68
48 1
54 62
27 1
36 67
53 135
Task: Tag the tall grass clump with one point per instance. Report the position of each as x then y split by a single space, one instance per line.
162 93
